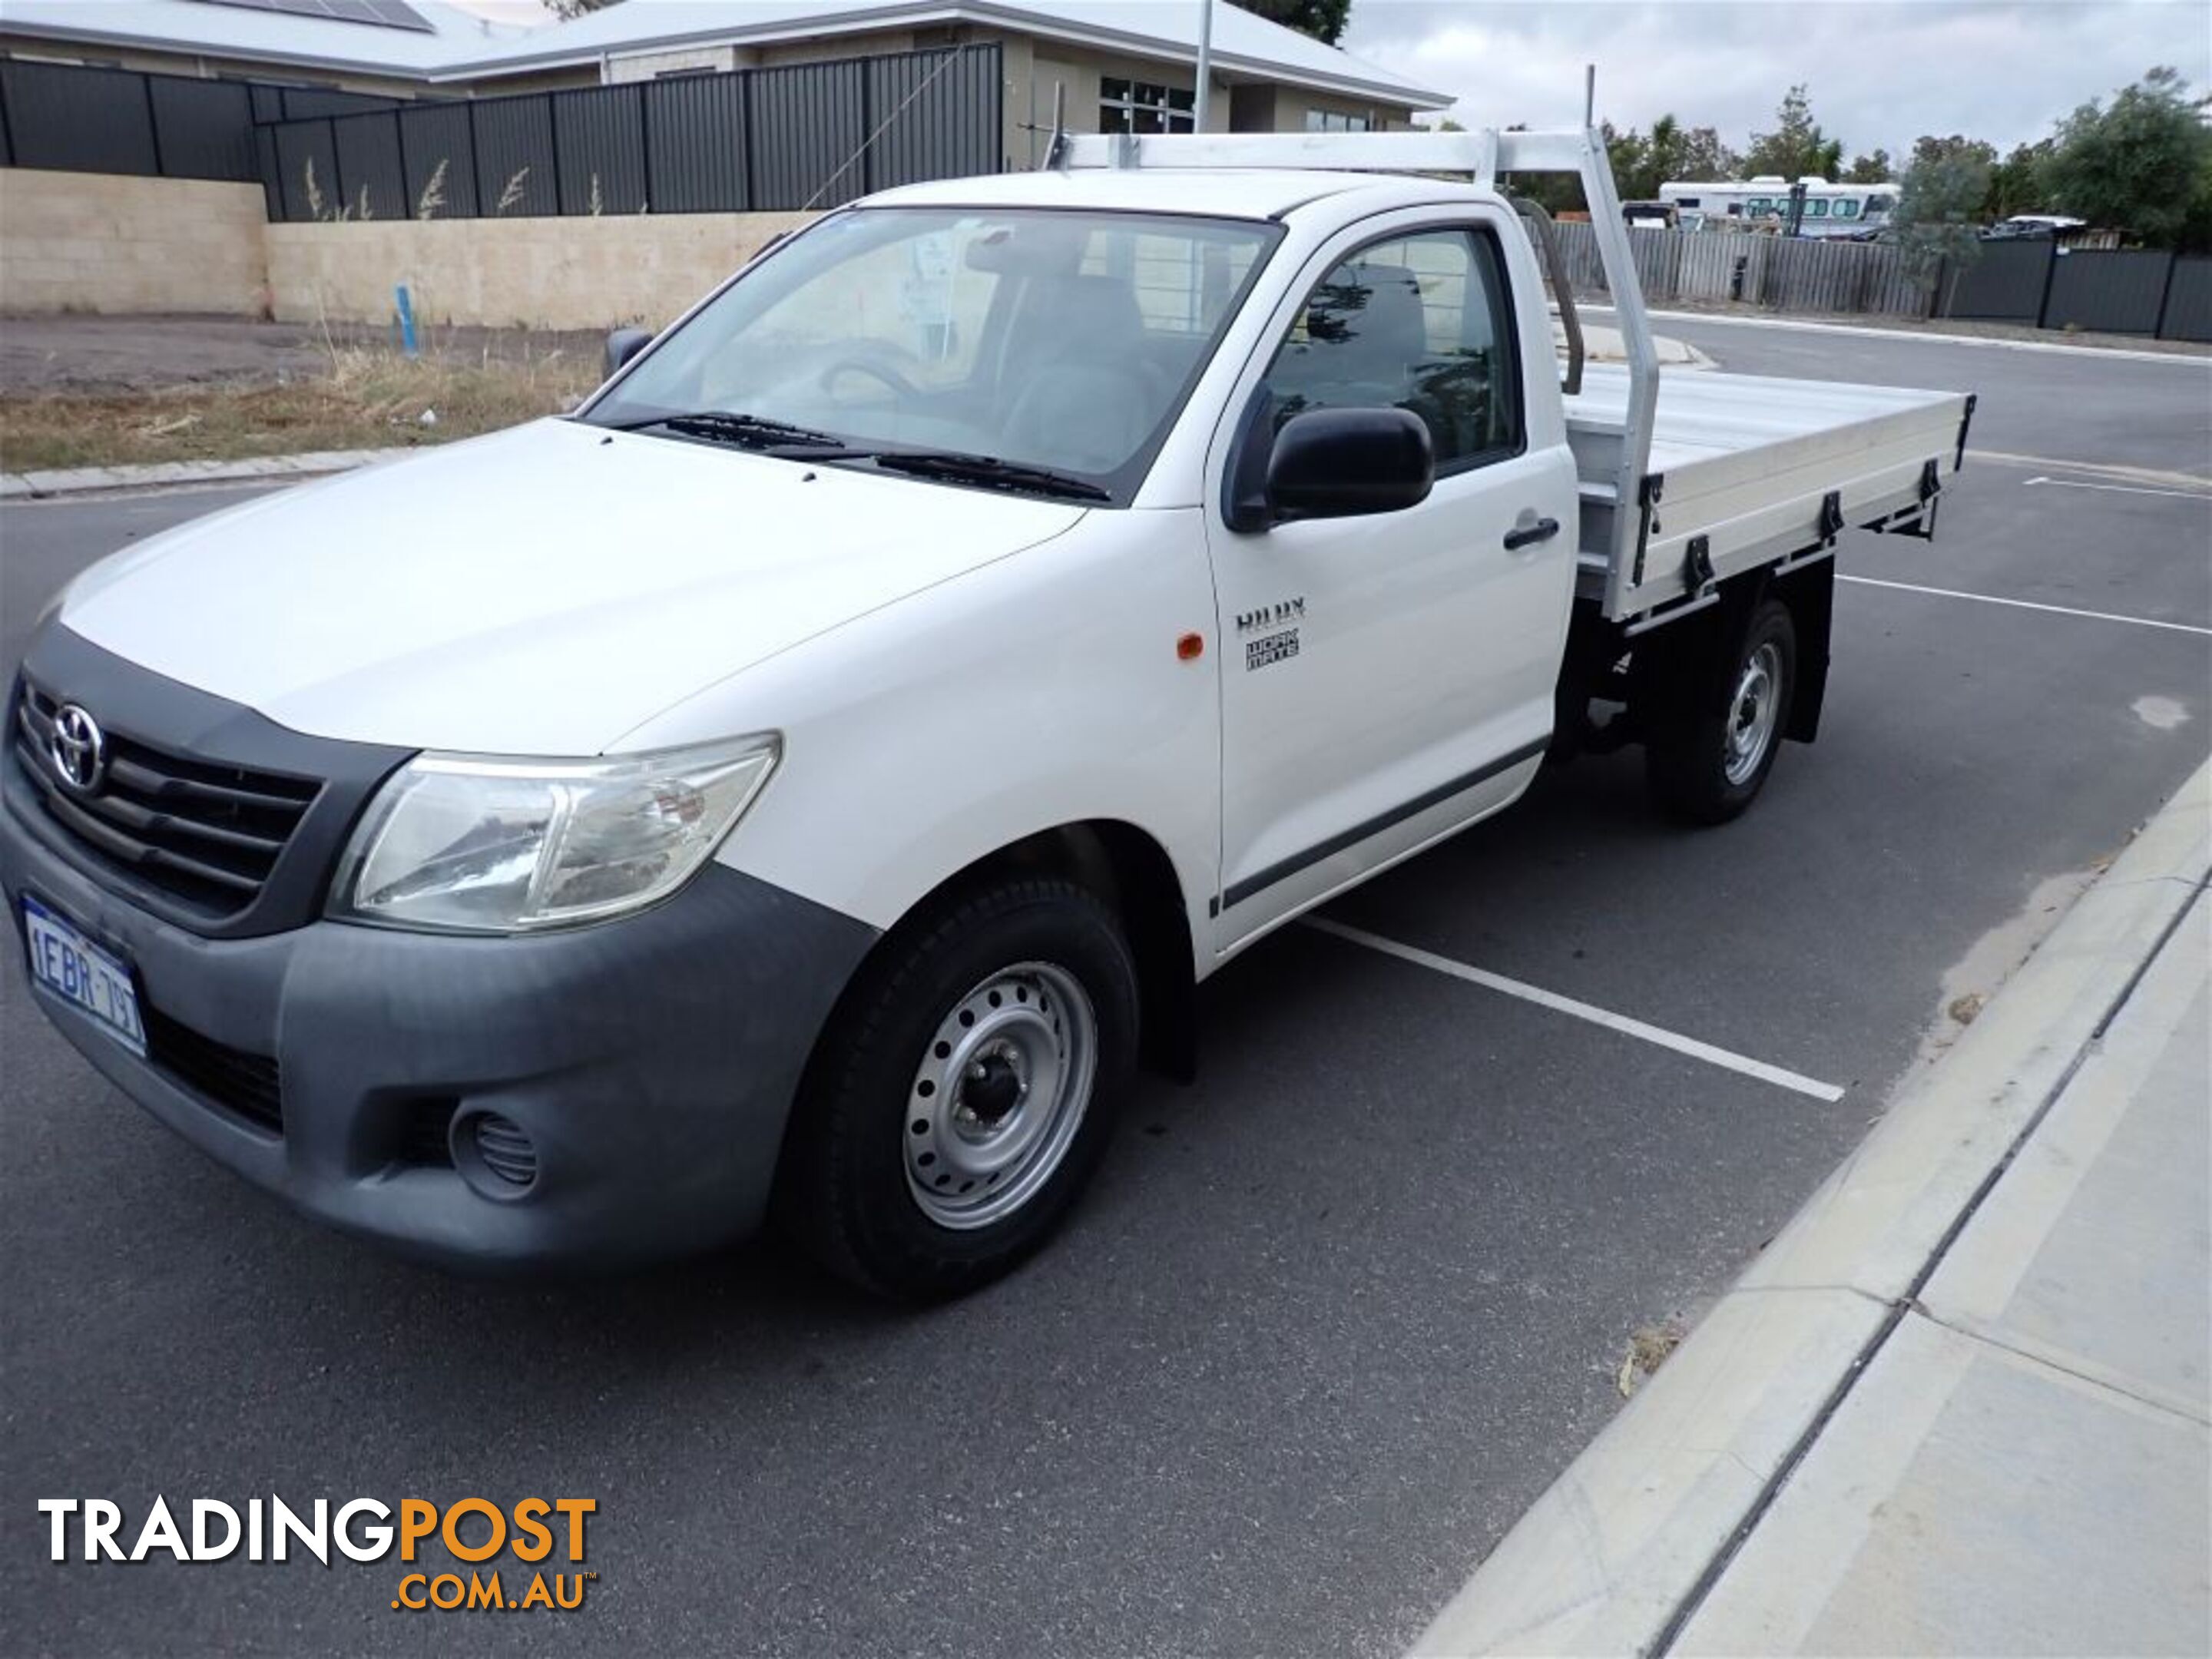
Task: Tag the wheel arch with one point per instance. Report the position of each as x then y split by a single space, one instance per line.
1131 870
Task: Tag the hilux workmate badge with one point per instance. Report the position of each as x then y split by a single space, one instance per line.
1271 615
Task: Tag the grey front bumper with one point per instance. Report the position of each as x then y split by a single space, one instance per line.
651 1061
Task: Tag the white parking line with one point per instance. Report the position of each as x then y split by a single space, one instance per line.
2122 489
2193 483
1914 337
2027 604
1552 999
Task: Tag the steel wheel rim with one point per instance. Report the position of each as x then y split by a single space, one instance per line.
999 1095
1752 714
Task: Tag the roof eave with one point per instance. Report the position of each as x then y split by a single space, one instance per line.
967 11
41 31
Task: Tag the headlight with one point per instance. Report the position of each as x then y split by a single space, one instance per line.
473 843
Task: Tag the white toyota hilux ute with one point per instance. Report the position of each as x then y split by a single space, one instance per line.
810 779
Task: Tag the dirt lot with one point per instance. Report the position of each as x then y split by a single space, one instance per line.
117 391
147 353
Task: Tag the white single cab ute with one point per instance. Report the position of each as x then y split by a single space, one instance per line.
810 779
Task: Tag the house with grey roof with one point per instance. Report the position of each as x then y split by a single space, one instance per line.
1112 65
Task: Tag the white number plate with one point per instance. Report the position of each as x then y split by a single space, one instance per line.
73 968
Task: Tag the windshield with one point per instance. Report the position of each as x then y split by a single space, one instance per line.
1057 344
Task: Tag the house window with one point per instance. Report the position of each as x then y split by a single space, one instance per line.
1143 107
1329 120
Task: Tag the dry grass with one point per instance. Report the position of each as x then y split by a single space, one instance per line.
365 398
1648 1349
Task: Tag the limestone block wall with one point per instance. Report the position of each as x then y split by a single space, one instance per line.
572 273
103 242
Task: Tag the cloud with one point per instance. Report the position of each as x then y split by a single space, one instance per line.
1879 72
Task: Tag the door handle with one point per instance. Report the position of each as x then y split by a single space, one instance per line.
1529 535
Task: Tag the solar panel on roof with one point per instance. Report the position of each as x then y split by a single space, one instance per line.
377 14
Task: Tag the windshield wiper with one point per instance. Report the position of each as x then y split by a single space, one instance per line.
750 431
991 472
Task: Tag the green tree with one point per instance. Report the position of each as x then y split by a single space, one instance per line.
1555 192
2016 183
1796 148
1642 163
568 10
1875 169
1703 159
1939 209
1324 20
2139 165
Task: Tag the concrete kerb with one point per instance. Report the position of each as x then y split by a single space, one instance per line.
103 480
1602 1562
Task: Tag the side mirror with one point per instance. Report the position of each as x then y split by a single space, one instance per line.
625 344
1336 463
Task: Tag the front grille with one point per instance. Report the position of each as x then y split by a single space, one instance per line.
202 832
243 1082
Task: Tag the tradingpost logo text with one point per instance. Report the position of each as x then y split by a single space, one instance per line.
473 1531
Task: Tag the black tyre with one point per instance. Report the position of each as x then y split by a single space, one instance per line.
963 1091
1710 760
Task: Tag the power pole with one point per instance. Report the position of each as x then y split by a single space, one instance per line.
1205 63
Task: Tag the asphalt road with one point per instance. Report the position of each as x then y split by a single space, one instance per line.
1329 1319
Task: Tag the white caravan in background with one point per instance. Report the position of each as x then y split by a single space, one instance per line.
1830 210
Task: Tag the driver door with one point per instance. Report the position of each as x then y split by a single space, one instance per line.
1388 677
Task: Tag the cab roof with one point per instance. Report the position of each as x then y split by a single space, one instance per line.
1215 192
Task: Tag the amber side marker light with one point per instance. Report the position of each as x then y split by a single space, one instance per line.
1191 646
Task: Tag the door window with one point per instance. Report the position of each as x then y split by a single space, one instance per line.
1418 322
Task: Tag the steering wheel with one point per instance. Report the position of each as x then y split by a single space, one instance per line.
882 365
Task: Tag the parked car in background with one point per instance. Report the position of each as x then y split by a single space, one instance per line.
2023 226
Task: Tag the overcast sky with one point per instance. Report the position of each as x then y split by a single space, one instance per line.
1878 73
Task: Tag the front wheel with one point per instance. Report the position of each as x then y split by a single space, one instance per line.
963 1091
1712 762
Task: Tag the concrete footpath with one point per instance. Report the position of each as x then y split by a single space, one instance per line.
1963 1403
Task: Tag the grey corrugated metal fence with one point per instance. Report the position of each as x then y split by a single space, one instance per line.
2110 291
162 126
2188 302
2007 284
805 134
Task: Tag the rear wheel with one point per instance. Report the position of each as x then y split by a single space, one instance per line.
964 1090
1712 759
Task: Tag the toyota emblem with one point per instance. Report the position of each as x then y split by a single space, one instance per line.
78 749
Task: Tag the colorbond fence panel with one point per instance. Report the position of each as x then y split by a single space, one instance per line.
432 137
797 136
683 175
371 176
2108 291
2005 284
807 124
79 120
2189 300
205 127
